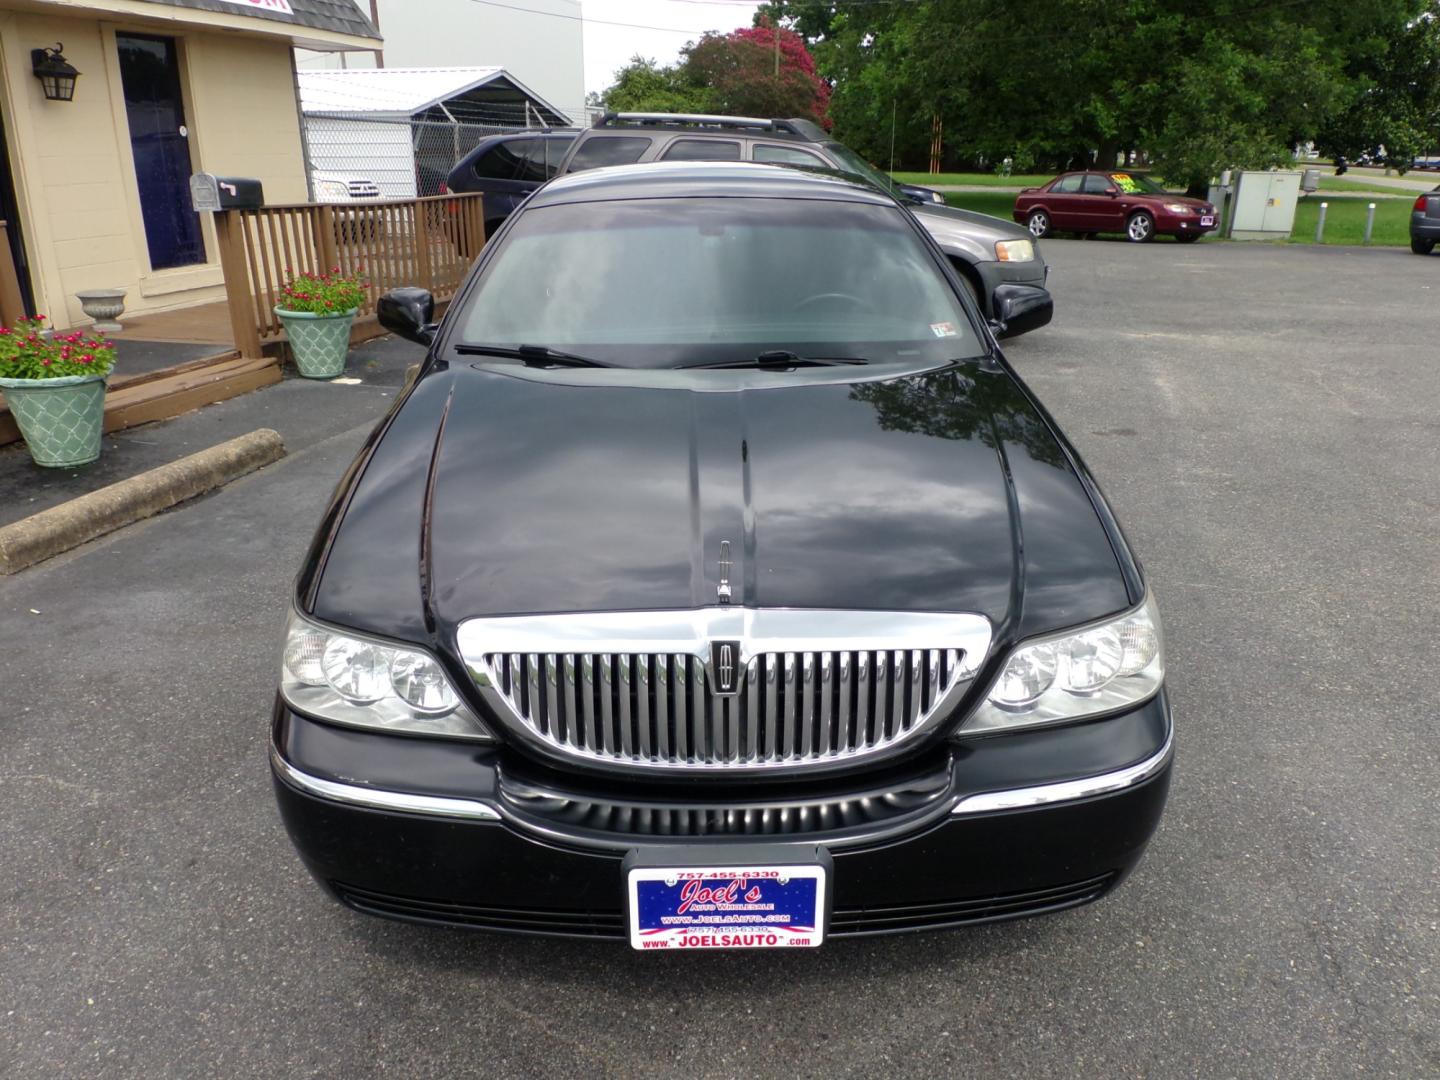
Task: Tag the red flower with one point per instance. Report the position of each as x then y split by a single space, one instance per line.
44 363
84 359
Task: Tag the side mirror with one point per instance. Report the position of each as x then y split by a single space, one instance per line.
1020 309
1112 191
408 312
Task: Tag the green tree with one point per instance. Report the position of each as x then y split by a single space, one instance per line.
644 86
1196 88
1396 101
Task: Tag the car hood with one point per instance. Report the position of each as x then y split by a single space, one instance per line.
950 223
1185 200
600 491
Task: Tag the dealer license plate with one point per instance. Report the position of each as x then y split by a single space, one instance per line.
1207 220
719 907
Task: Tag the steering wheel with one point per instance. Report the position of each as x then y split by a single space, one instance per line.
833 297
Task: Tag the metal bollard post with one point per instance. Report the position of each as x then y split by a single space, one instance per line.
1320 224
1369 222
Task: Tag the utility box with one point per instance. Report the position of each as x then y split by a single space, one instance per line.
1264 207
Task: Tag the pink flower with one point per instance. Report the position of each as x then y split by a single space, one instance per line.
44 363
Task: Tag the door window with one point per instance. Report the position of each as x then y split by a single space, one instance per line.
702 150
555 151
597 153
1095 184
501 162
786 155
1067 185
150 78
531 153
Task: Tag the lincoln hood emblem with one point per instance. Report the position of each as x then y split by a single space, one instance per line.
722 590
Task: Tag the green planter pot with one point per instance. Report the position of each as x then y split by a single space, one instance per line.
319 343
60 419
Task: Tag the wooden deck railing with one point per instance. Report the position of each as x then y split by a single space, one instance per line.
429 242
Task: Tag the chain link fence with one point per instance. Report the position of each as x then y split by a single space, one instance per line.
367 156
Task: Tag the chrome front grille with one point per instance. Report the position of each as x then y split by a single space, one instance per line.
640 689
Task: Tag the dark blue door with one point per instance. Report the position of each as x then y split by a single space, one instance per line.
150 75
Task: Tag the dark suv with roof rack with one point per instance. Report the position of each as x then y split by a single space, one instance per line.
988 252
505 169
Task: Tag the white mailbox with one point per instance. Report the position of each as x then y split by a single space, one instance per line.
1264 205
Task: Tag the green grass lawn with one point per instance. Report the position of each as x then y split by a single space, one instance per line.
997 203
1344 220
973 179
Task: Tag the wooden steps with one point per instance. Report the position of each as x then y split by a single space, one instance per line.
159 395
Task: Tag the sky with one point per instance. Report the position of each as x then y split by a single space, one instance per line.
609 48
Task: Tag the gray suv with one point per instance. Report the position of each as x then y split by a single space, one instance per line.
987 252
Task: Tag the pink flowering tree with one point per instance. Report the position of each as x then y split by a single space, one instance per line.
761 70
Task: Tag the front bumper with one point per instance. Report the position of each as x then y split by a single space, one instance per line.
1033 272
1176 224
443 832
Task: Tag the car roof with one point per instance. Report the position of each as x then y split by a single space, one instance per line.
700 179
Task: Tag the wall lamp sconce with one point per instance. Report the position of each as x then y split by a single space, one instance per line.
56 74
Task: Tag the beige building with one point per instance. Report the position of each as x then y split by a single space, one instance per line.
94 190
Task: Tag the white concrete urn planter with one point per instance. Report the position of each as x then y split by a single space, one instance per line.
104 306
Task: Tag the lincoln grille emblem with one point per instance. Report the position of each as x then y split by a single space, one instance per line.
722 590
725 664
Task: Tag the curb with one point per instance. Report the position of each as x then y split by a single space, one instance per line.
73 523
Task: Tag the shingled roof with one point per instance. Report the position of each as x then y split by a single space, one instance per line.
337 16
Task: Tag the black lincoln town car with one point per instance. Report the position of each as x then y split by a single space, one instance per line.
718 584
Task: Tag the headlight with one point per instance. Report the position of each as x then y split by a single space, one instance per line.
1096 669
366 683
331 189
1179 208
1014 250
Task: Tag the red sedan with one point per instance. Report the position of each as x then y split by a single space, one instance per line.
1112 202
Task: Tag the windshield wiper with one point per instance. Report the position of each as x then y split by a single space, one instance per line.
540 355
781 360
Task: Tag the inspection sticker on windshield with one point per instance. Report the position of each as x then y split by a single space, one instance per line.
943 329
746 907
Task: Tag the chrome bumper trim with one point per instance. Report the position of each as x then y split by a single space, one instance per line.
1068 790
380 798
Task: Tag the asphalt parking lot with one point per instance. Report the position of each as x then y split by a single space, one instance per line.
1266 421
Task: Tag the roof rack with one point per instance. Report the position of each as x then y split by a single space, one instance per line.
636 119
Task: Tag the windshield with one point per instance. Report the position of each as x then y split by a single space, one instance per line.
1136 185
850 161
681 282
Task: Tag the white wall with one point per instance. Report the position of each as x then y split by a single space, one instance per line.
544 52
